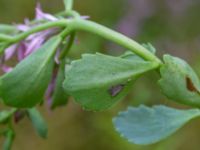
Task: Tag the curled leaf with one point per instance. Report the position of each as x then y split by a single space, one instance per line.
99 81
179 82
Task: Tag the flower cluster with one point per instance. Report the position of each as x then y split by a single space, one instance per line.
31 43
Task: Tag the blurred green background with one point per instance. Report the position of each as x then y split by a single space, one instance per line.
171 26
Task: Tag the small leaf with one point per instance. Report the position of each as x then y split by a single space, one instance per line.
128 55
150 47
145 125
179 82
9 135
59 97
25 85
5 115
98 81
38 122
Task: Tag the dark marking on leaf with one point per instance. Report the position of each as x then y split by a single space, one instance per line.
115 90
190 85
19 115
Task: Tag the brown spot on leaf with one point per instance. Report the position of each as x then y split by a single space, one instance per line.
190 85
19 115
115 90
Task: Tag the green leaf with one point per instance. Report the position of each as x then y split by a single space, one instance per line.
179 82
145 125
98 81
59 97
5 115
38 122
25 85
9 135
128 55
150 47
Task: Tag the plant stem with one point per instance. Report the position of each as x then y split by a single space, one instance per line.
68 5
67 48
95 28
5 28
59 23
80 24
4 37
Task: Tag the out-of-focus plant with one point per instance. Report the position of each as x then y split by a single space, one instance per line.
96 81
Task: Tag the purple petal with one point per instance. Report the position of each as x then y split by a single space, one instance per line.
21 51
26 21
57 57
9 52
41 15
6 69
50 89
33 36
22 27
85 17
43 34
34 45
25 26
36 40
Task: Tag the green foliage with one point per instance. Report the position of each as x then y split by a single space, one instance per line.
38 122
59 97
98 81
9 135
150 47
5 115
7 29
144 125
179 82
25 85
128 55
